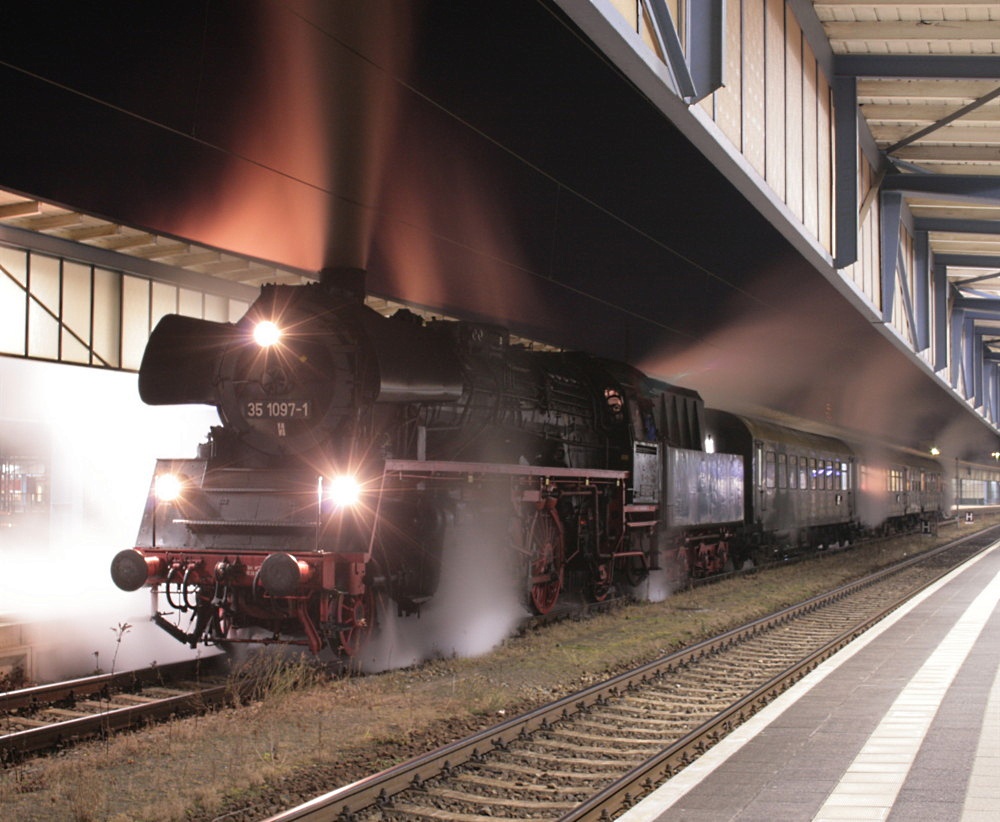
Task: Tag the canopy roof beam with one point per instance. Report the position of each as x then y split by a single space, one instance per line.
696 60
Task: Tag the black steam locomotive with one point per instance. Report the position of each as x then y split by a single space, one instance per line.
351 443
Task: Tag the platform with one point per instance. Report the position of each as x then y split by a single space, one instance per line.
903 724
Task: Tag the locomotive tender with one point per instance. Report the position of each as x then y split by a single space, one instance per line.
351 444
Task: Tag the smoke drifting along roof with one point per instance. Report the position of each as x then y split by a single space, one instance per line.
805 353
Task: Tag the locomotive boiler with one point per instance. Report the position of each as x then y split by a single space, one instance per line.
350 443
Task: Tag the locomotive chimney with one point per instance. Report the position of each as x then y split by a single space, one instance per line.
342 281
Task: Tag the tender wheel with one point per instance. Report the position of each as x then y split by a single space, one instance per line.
548 555
681 565
636 570
602 582
354 621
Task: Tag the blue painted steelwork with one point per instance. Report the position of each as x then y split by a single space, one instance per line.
696 64
968 351
985 67
845 103
957 225
670 45
940 285
892 209
812 29
975 187
704 24
922 287
969 260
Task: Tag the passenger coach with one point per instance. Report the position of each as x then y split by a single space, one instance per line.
799 488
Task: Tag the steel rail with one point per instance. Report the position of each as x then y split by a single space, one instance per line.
378 789
99 683
622 794
114 719
102 688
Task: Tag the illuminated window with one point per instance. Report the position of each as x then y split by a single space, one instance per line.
66 311
769 470
23 485
896 480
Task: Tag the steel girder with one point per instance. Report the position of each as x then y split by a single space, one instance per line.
933 304
973 318
696 61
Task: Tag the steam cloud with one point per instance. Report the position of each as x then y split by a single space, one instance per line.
478 603
103 443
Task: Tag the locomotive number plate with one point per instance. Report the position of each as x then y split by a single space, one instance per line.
279 410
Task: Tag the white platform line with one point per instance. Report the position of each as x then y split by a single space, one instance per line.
891 749
668 794
982 800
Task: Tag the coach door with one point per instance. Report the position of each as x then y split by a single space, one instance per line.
763 469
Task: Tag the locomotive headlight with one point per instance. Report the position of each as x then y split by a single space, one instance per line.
266 334
167 487
343 491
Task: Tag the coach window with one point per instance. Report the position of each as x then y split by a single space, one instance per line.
782 471
769 470
845 477
793 471
895 480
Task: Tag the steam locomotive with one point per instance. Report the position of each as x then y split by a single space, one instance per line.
351 443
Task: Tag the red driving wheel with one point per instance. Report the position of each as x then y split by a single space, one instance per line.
354 617
548 556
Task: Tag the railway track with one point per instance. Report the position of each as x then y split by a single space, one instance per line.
53 716
590 755
48 717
